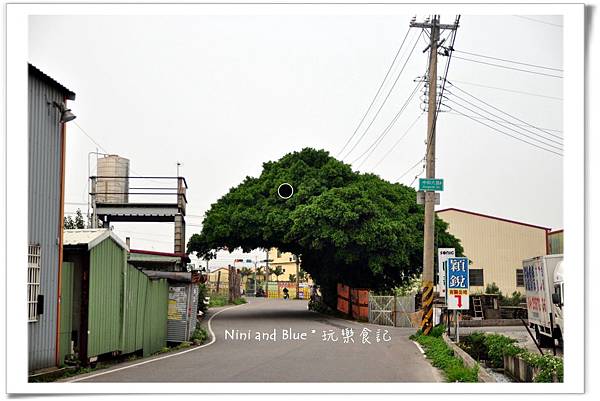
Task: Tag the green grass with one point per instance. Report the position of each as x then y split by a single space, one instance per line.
442 357
222 300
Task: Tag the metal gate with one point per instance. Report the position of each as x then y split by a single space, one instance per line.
381 309
405 311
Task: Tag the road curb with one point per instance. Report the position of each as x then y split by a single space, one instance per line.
212 341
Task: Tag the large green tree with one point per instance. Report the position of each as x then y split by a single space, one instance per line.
353 228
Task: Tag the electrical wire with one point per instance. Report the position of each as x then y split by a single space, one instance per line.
410 169
518 125
509 90
509 61
505 120
385 99
417 176
398 141
504 133
387 129
503 112
376 94
537 20
90 138
508 128
509 68
430 135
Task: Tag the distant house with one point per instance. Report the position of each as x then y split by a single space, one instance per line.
496 247
46 148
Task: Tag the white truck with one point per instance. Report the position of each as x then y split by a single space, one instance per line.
544 289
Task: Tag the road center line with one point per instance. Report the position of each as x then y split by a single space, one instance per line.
212 334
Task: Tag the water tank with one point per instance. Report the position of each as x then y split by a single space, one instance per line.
115 188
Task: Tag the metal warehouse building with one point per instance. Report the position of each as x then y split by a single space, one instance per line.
108 306
496 247
45 211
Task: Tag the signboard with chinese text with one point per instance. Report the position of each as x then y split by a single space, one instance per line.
457 283
443 255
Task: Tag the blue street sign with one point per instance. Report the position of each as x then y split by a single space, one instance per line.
457 283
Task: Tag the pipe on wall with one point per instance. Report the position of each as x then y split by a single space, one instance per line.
63 133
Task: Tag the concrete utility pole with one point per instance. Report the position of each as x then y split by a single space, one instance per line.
434 27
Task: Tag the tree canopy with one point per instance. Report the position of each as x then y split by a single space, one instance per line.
348 227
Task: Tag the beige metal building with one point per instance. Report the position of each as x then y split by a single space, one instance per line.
496 247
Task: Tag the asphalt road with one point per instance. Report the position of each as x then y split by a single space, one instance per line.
308 358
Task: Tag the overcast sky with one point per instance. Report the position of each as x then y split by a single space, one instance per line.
223 94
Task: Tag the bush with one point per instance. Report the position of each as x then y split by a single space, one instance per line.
438 330
474 345
493 348
200 335
442 357
497 345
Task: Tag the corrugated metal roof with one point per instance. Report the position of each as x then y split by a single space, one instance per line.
33 70
90 237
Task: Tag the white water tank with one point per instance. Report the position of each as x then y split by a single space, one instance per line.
112 185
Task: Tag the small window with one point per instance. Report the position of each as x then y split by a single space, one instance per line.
520 281
476 277
33 281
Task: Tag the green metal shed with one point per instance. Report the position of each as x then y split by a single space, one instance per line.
115 308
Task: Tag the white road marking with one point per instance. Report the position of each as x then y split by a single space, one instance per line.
419 347
212 334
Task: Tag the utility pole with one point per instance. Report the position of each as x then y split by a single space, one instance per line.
297 276
267 275
434 26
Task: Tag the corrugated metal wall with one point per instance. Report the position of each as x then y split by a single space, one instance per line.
135 294
44 214
155 316
107 262
498 247
140 323
555 242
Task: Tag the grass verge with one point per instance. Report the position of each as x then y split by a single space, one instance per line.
442 357
222 300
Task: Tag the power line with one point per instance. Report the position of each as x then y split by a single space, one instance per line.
505 120
512 136
508 90
508 128
410 169
509 61
376 94
517 125
398 141
417 176
386 97
503 112
90 138
537 20
387 128
444 80
508 68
